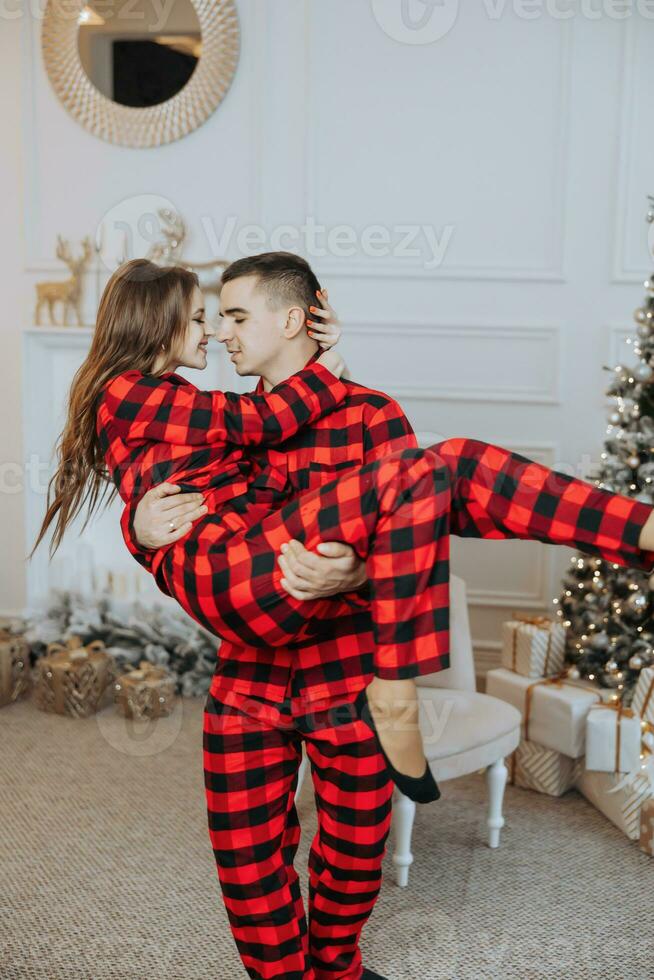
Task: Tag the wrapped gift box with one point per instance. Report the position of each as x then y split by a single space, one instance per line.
643 699
605 694
71 679
533 766
613 736
15 677
553 711
147 692
533 646
621 805
646 840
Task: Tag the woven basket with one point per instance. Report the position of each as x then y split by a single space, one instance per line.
146 692
15 676
72 678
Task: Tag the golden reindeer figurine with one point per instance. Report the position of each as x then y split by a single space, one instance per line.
68 292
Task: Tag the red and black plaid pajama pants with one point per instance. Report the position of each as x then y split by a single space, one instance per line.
252 751
398 514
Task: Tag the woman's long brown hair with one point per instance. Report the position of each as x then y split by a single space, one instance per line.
144 307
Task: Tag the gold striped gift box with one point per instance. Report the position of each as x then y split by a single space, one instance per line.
533 766
643 699
618 797
533 646
647 827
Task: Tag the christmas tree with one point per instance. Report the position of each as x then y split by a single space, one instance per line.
606 608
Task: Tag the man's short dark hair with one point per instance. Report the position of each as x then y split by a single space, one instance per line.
285 278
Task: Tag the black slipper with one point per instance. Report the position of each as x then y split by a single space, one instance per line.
421 789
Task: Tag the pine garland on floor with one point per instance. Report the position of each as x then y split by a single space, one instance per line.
162 636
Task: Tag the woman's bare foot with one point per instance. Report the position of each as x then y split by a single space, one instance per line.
394 709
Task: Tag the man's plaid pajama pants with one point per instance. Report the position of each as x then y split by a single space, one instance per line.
252 752
398 514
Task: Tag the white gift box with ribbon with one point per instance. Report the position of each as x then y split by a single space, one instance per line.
613 737
553 711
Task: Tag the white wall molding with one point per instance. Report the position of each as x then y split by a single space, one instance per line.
487 656
382 269
624 270
511 335
618 348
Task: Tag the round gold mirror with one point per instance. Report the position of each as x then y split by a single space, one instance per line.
138 73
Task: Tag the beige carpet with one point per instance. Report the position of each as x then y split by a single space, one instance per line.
107 871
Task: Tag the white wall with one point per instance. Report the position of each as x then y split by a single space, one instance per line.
12 577
524 145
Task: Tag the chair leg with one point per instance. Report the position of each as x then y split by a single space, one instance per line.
404 814
496 776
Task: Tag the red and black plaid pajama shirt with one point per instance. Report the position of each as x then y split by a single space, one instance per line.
493 493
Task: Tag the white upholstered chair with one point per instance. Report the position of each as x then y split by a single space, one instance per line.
463 732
